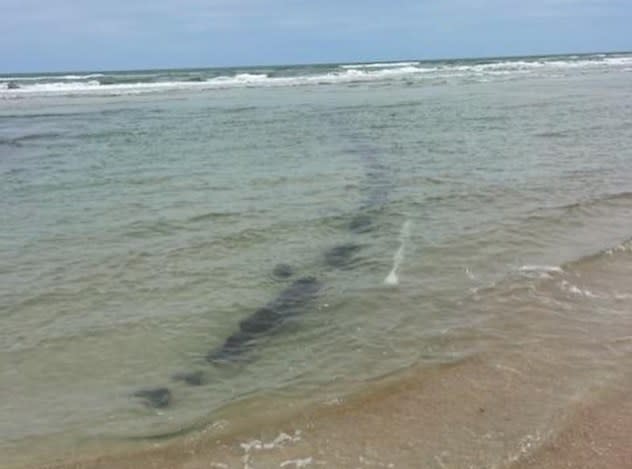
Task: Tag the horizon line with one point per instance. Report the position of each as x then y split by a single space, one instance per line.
302 64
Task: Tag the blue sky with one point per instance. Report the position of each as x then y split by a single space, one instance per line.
59 35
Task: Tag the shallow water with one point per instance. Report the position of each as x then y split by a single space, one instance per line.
140 227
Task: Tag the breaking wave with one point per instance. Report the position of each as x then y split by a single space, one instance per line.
129 83
380 65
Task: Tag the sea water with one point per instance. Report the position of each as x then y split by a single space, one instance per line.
142 215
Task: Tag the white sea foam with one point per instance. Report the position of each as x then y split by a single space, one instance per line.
626 246
236 81
43 85
541 268
575 290
539 271
380 65
281 440
392 278
52 77
297 462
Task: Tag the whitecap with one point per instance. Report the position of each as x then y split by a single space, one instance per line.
77 84
379 65
541 268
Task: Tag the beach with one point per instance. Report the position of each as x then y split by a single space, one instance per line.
513 408
407 264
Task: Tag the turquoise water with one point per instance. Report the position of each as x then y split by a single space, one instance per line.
143 214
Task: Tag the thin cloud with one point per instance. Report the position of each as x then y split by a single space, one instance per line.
133 33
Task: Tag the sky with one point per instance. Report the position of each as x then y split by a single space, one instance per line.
65 35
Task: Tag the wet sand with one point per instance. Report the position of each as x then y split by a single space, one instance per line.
145 228
551 390
477 413
597 436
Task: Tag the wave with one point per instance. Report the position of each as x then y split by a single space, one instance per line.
51 77
212 216
508 66
18 141
575 277
243 80
618 252
160 81
583 205
379 65
540 268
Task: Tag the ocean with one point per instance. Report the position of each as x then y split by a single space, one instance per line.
252 243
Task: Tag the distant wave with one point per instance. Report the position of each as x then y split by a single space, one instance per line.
379 65
51 77
151 82
239 80
17 141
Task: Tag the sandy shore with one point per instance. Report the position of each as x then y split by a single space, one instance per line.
480 412
598 436
550 390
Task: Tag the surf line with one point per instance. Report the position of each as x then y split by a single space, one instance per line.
398 257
